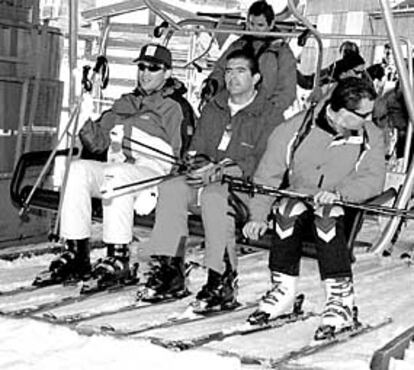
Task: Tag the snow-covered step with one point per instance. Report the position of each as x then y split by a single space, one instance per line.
397 354
396 364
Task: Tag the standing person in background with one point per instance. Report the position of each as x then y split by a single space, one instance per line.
277 63
327 74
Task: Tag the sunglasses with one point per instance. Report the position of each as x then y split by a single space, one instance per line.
150 67
361 115
358 71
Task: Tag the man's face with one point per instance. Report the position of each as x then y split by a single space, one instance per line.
151 76
354 119
258 23
239 78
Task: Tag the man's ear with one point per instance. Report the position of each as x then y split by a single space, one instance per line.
256 78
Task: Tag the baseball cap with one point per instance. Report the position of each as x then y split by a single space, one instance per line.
155 53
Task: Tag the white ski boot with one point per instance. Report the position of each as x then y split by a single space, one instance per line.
279 300
338 314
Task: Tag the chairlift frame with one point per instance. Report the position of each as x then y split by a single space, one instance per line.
406 77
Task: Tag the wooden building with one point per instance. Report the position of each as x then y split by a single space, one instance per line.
30 101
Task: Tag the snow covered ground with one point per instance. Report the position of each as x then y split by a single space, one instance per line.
29 345
384 288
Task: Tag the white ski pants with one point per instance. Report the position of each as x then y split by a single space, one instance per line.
85 180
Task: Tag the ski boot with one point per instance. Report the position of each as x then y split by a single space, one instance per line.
339 311
112 271
166 280
219 293
71 266
277 301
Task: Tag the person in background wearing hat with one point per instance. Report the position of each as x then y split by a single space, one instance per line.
326 75
351 65
276 60
153 114
341 157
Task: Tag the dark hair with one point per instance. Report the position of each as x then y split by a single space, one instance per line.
349 92
261 7
376 71
247 55
348 47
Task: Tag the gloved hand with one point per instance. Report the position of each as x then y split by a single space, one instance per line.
86 111
324 197
209 173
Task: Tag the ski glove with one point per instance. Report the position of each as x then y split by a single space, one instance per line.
209 173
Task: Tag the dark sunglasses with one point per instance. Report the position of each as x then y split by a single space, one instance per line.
358 71
361 115
151 67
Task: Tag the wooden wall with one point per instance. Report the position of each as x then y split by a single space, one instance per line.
30 104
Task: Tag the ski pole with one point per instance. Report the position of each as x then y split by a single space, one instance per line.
108 192
26 203
54 235
151 155
167 155
253 188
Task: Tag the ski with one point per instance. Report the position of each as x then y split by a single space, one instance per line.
74 319
246 328
320 345
21 289
186 318
65 301
314 347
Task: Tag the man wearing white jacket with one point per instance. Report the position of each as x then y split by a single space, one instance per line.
153 114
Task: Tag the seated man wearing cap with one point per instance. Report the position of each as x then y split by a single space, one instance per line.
153 114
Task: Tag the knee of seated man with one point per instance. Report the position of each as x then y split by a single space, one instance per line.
173 187
80 169
326 219
329 211
287 212
214 192
290 207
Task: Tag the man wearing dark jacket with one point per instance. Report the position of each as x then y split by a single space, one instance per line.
233 129
153 114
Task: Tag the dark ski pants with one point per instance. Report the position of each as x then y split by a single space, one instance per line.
334 258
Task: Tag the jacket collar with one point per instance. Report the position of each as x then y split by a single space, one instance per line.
256 108
171 86
132 102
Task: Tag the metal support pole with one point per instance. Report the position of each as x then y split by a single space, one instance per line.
405 193
73 53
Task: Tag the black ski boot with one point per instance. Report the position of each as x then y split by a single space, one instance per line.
219 293
71 266
112 271
166 280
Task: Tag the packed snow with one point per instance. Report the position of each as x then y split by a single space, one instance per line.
384 288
